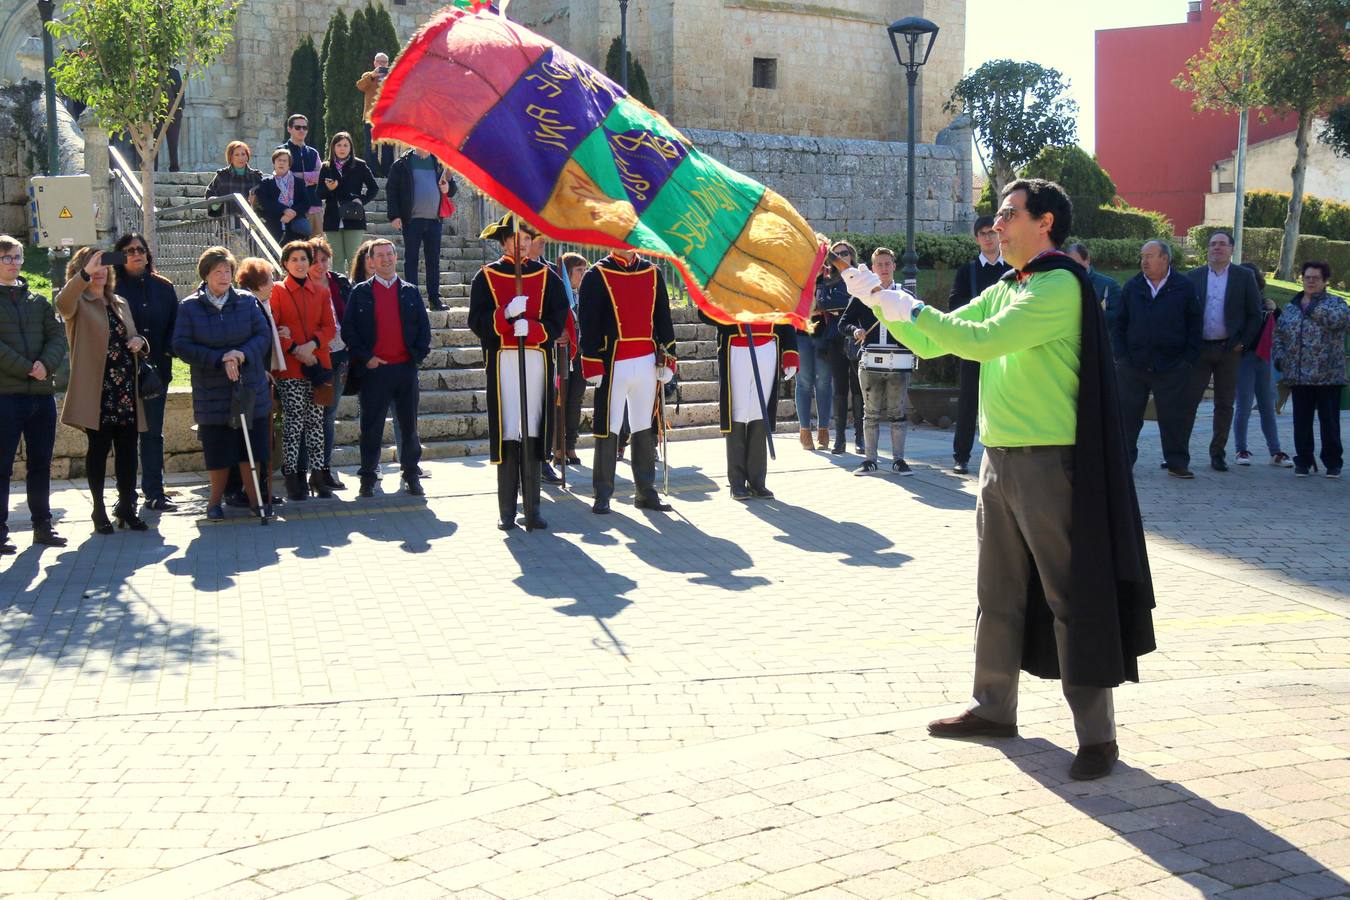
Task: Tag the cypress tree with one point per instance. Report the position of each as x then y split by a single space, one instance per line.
304 88
386 33
340 93
637 79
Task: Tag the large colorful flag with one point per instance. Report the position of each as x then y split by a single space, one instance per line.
555 141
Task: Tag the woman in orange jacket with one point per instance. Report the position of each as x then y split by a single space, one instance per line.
305 310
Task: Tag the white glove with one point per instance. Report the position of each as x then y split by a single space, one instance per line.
896 305
861 281
664 374
595 380
516 306
788 372
522 327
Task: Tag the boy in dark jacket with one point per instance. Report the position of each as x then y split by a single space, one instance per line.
413 194
32 348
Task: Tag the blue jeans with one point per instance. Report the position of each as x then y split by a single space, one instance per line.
1255 380
152 448
340 366
815 378
33 418
423 236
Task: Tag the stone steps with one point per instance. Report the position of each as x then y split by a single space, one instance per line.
453 420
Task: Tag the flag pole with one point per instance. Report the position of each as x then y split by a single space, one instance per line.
524 393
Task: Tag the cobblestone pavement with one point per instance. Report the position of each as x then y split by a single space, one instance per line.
393 696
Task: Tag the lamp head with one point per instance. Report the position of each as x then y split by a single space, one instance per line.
912 29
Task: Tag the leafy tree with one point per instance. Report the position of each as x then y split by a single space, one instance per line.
1336 133
304 88
637 78
1291 53
122 53
386 33
1087 182
1016 110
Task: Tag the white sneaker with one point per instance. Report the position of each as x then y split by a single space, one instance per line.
1244 458
1282 460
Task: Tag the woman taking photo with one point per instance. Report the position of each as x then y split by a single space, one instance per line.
1309 351
346 187
301 307
102 398
222 335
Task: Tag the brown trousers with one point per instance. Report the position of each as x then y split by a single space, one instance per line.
1024 513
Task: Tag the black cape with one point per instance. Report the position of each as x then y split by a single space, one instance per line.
1110 622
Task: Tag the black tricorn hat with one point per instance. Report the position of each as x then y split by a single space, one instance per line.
504 227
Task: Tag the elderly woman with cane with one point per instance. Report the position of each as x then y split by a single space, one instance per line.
222 335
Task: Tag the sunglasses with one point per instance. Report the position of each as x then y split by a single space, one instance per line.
134 251
299 128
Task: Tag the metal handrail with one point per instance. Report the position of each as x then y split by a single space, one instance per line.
123 172
241 208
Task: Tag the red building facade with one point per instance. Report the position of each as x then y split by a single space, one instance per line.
1157 149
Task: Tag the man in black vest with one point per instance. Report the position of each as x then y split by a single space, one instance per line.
971 280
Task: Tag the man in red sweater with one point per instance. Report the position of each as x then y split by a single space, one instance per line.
388 335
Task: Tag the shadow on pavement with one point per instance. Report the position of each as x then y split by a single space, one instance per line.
814 533
1178 830
555 569
43 617
220 553
670 543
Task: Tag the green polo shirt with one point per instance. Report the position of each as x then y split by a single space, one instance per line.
1027 338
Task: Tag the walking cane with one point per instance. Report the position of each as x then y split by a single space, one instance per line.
525 492
759 387
263 512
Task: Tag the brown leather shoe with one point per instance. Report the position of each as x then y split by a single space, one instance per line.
807 443
1094 761
823 438
969 725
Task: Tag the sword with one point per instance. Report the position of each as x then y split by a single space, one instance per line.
560 429
665 427
759 388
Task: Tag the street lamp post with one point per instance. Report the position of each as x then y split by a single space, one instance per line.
46 9
623 44
912 29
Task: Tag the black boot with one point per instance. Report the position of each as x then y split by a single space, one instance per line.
736 462
602 472
508 482
757 459
332 480
367 488
45 534
125 514
412 483
6 545
318 486
295 487
100 516
531 487
644 471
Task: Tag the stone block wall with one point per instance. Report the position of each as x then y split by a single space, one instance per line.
849 185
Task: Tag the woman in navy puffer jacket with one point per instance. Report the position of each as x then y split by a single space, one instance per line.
222 335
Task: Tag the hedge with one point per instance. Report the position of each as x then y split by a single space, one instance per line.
1262 247
1129 222
946 251
1327 218
1121 253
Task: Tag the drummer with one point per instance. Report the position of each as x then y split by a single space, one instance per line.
884 370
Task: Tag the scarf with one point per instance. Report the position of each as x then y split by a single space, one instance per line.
217 302
286 187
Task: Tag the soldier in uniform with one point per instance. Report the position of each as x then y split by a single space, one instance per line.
500 314
627 348
742 415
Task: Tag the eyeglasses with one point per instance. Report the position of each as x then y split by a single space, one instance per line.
299 128
134 251
12 260
1005 214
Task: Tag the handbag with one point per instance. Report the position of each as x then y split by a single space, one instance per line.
149 386
447 206
324 395
352 211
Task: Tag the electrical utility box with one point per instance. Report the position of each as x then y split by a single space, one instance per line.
61 211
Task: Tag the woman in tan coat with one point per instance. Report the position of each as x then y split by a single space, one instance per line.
103 399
